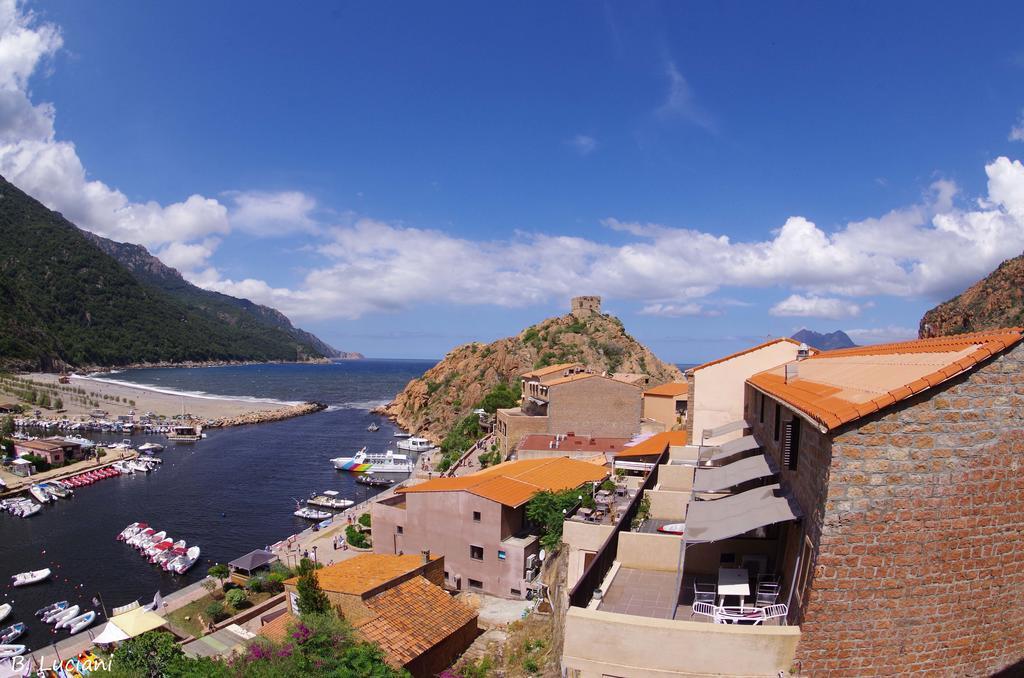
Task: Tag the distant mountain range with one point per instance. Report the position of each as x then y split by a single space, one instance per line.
69 298
996 301
824 342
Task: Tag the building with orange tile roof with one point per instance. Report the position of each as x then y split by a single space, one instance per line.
397 602
716 389
538 446
905 460
667 404
478 521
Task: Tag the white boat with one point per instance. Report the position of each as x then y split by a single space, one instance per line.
312 514
43 611
138 466
414 444
25 578
373 428
147 459
27 508
84 443
80 622
148 541
190 559
158 546
131 531
185 434
138 537
57 490
12 632
61 620
151 447
40 493
402 434
329 499
5 611
363 462
11 651
124 468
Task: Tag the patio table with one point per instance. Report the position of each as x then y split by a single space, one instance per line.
733 581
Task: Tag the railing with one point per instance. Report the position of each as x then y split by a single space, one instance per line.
594 575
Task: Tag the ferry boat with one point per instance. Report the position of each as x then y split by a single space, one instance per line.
185 434
377 462
414 444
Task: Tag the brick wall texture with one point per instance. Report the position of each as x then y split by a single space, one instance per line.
595 407
917 516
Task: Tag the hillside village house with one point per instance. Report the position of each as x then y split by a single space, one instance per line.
666 404
715 398
478 521
883 497
55 451
570 445
563 398
397 602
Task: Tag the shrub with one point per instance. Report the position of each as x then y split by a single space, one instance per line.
364 520
215 612
312 599
356 538
275 582
257 583
236 598
37 461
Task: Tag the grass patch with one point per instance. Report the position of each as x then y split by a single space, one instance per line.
197 607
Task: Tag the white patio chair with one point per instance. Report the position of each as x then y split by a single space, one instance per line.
706 610
767 593
733 614
703 592
780 611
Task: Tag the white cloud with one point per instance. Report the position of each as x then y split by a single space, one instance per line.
881 335
678 310
1017 131
799 306
680 101
583 144
264 213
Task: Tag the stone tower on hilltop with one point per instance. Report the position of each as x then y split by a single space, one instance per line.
583 307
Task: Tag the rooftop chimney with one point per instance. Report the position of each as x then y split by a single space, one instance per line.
803 352
426 556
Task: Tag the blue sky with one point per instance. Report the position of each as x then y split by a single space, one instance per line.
402 177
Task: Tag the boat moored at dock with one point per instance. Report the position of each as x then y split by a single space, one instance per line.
414 444
329 499
363 462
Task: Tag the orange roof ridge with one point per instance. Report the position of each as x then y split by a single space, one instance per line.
656 444
830 404
671 389
550 369
765 344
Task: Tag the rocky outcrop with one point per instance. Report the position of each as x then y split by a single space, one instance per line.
262 417
994 302
449 391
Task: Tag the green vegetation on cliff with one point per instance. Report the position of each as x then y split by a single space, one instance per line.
64 301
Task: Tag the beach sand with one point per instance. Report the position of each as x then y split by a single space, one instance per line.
145 400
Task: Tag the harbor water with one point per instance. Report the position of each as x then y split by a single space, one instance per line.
233 492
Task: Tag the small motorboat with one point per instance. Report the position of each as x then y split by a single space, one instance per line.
141 535
312 514
372 481
673 528
402 434
55 613
149 540
329 499
191 558
146 459
160 546
25 578
43 611
124 468
40 493
151 448
171 553
373 428
130 530
5 611
11 651
28 508
57 490
12 632
63 621
81 622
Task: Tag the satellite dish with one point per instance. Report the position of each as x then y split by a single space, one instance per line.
541 555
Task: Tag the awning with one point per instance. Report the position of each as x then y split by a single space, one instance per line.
708 521
717 478
737 425
138 621
725 450
110 634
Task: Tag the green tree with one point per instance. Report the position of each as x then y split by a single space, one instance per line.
152 654
7 427
546 511
312 599
236 598
219 572
215 611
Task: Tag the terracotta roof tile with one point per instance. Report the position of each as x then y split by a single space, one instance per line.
837 387
515 482
766 344
411 618
656 444
365 572
571 443
550 369
670 390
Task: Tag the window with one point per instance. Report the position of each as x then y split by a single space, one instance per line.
446 575
474 584
760 416
501 555
515 592
399 529
476 516
803 575
791 444
476 553
778 419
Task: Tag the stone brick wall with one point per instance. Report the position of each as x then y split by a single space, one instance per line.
595 407
921 533
585 306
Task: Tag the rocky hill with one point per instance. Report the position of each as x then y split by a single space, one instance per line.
65 302
824 342
432 404
994 302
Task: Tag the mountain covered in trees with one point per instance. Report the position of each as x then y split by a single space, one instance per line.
473 373
994 302
824 342
65 301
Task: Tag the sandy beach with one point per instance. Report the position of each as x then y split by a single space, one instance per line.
119 399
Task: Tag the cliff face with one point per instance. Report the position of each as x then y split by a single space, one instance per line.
449 391
994 302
